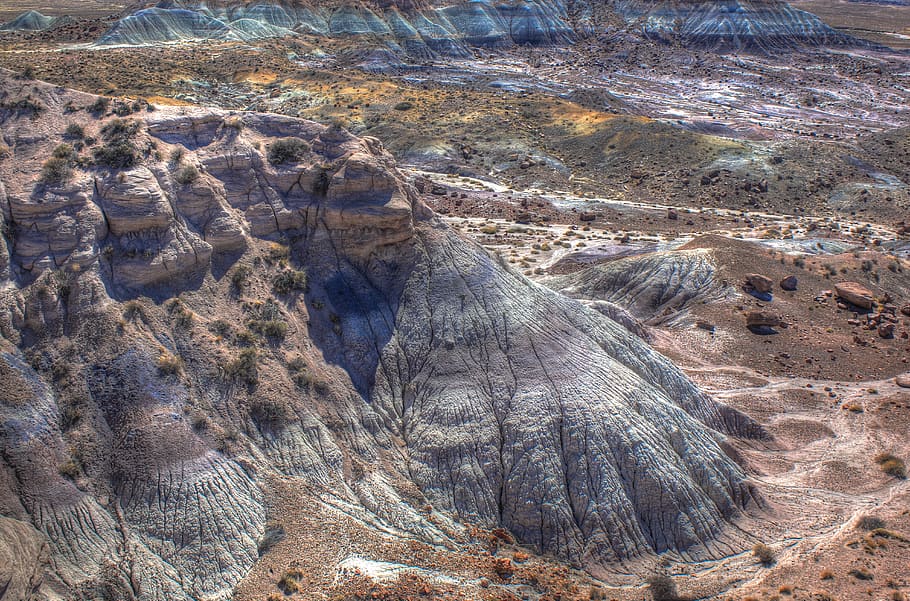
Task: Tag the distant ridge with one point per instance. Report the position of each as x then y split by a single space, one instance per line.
421 29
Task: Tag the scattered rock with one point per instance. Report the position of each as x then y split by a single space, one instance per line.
789 283
886 330
705 325
759 283
672 214
586 216
906 310
763 319
855 294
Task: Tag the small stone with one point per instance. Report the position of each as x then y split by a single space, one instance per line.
758 319
886 330
759 283
789 283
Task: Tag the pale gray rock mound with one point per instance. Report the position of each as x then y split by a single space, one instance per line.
154 400
656 287
31 20
422 31
768 26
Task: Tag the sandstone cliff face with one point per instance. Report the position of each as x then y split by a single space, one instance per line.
163 363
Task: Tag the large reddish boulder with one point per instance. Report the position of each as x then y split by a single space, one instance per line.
855 294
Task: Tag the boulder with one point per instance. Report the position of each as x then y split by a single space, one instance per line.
763 319
903 380
759 283
886 330
789 283
855 294
906 310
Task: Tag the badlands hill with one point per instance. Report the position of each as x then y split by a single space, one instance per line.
426 30
211 317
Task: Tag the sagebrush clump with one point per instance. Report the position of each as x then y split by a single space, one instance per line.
288 150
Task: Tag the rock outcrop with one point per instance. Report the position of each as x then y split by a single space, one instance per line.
768 26
422 30
856 294
417 31
656 287
177 339
31 20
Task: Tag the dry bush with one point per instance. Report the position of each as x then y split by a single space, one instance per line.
892 465
662 587
763 553
869 522
288 150
169 363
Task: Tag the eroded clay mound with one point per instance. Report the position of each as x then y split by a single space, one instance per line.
157 394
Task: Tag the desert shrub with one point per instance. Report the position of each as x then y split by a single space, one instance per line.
221 328
404 105
186 175
270 413
892 465
70 418
200 422
100 106
133 309
297 368
869 522
118 151
287 150
24 106
861 574
235 123
278 253
763 553
64 151
662 587
273 328
290 280
183 316
597 594
244 368
74 131
122 109
177 155
240 277
56 171
290 581
246 338
169 363
27 73
69 469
